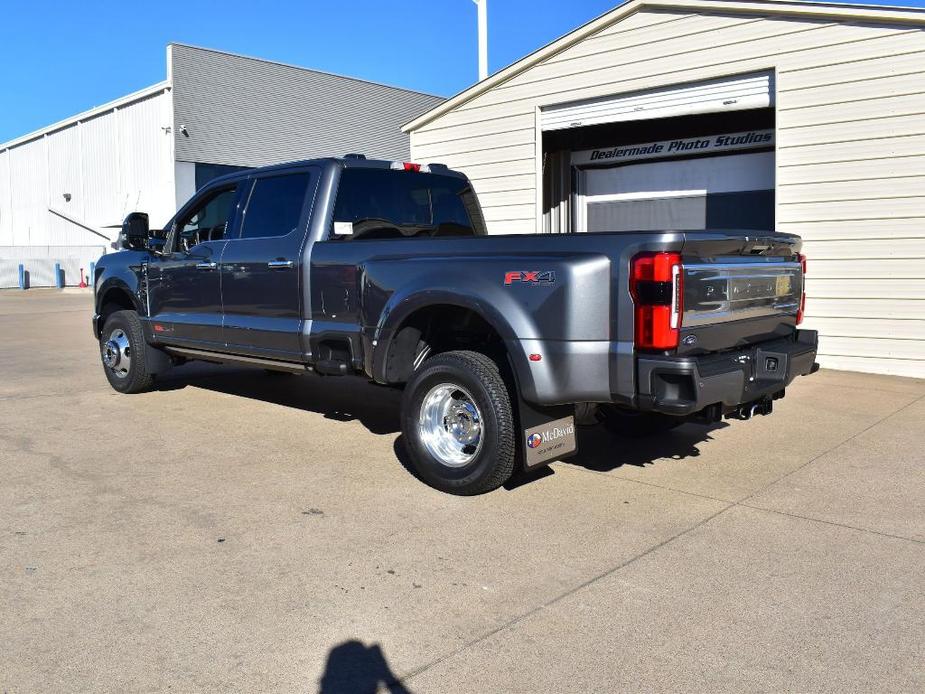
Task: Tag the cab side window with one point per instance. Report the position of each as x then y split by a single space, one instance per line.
274 207
207 221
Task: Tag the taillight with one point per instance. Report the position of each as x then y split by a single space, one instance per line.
802 309
656 288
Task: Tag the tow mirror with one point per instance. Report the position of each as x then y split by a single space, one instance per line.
135 232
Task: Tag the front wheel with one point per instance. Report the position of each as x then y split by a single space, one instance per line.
122 350
458 424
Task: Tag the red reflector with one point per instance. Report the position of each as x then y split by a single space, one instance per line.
412 167
536 357
158 328
656 287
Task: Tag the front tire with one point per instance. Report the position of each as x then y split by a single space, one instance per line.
123 351
457 421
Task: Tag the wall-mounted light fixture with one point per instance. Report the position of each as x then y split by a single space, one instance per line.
67 197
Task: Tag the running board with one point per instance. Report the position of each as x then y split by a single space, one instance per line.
222 358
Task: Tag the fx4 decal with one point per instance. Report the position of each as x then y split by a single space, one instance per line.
530 277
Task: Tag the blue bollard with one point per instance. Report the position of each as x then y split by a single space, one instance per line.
91 280
22 276
58 283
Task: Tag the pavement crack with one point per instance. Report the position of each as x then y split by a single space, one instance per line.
561 596
828 522
829 450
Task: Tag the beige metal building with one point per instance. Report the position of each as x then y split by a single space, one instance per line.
797 116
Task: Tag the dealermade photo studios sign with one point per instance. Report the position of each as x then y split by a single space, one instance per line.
706 144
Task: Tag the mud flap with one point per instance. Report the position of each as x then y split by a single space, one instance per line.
546 433
157 361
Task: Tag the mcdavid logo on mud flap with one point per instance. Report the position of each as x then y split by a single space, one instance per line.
549 435
550 440
530 277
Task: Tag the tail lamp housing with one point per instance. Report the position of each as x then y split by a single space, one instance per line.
802 259
656 285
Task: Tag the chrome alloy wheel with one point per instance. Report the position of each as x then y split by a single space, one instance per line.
450 425
117 353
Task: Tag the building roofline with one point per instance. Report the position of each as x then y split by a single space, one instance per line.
793 8
139 95
306 69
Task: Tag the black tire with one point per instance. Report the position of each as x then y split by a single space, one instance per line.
493 459
636 425
119 327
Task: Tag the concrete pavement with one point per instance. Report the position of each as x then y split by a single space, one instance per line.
235 531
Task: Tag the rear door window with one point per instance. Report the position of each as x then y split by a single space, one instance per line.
382 203
274 207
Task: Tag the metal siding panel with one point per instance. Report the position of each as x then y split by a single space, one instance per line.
871 328
887 289
27 173
865 107
862 189
911 368
100 166
822 229
146 182
6 206
882 168
64 176
248 112
906 309
89 160
729 50
865 249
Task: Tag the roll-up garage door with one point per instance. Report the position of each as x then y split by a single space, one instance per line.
714 96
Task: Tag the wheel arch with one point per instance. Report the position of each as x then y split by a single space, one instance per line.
115 296
402 327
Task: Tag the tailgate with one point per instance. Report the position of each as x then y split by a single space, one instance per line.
738 290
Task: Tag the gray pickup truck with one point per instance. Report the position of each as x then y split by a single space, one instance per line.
383 270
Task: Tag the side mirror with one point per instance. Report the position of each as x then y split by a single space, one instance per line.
135 232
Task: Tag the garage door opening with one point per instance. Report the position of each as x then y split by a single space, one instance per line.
655 163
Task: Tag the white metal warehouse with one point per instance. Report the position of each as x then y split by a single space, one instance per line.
692 114
65 189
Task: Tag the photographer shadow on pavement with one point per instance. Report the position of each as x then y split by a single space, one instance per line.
354 668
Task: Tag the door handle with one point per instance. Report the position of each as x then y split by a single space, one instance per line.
278 264
206 266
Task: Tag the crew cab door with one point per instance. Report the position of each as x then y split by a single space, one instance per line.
261 268
184 285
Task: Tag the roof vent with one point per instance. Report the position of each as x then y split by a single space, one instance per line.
354 156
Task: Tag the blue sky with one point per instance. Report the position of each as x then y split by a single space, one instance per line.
60 58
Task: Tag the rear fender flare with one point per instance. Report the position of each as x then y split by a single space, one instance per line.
402 306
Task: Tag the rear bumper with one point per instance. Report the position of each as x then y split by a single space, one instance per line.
685 385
